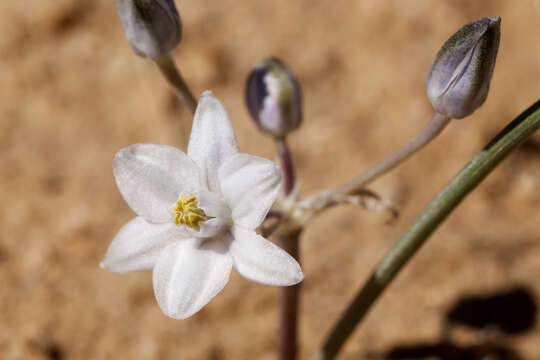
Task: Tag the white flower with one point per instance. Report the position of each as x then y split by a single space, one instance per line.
197 214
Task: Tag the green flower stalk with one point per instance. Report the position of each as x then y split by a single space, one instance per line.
459 79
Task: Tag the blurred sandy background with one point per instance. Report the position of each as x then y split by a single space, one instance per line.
73 93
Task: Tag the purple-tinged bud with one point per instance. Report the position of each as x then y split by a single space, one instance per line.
458 82
273 98
153 27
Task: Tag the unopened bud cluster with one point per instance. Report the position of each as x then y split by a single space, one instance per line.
153 27
273 98
459 79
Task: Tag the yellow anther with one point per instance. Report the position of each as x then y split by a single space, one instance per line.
187 212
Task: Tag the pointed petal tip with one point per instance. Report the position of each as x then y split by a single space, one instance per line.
177 315
207 96
297 277
262 261
292 278
106 265
209 101
300 276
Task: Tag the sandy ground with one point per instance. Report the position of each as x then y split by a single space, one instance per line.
73 93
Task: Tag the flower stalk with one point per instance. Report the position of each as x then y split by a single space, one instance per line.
430 132
173 76
426 223
457 84
288 241
285 159
289 302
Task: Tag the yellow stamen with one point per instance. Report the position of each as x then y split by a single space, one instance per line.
187 212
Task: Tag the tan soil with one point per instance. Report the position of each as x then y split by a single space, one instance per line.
73 93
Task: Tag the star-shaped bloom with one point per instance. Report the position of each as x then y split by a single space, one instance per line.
197 214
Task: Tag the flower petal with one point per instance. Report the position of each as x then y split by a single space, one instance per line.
213 204
212 139
214 207
188 274
207 229
137 246
250 185
150 178
257 259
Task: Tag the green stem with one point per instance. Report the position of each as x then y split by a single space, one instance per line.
426 223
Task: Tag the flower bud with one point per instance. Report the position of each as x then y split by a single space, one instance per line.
458 81
273 97
153 27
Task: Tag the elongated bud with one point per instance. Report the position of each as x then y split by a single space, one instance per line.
153 27
458 81
273 97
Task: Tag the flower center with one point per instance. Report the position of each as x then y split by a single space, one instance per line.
187 212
